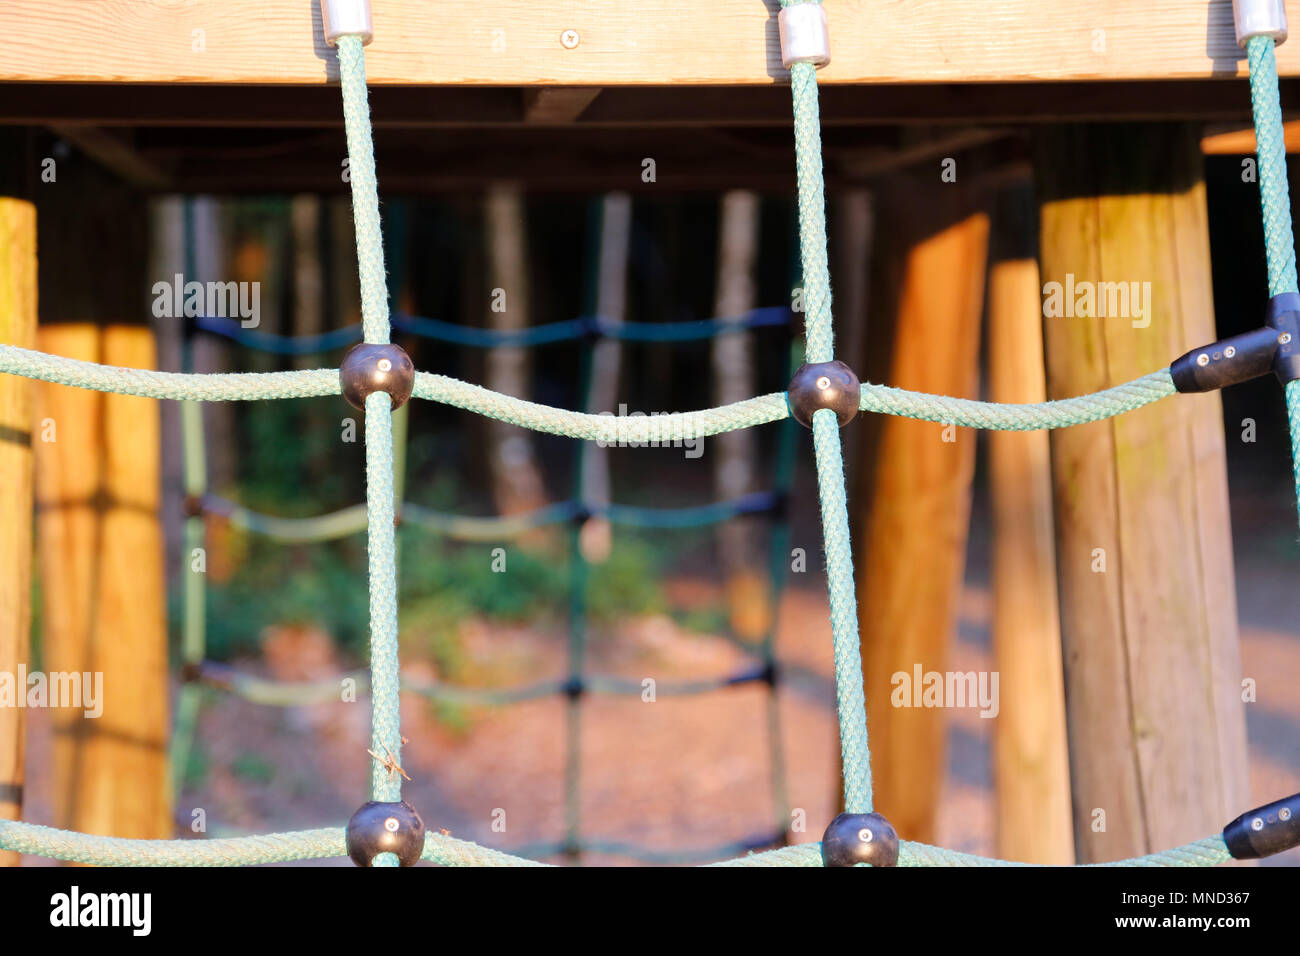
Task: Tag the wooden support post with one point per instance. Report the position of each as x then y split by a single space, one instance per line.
1148 626
911 542
1030 761
99 541
17 327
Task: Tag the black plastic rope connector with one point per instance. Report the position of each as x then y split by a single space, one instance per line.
1284 317
1265 830
1227 362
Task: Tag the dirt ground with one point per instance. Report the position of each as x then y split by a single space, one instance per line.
680 772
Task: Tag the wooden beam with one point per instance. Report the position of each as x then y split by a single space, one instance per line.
112 151
17 327
1240 141
557 105
1030 760
1149 630
517 42
637 107
911 539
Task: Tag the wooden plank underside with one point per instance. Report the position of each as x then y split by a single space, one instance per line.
517 42
638 107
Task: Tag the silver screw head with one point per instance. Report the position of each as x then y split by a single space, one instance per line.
385 365
1230 351
569 39
1257 823
1202 359
823 382
1284 813
865 835
1285 338
392 824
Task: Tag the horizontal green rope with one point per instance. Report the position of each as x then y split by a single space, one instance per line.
997 417
669 428
115 851
276 693
661 429
326 843
352 519
179 386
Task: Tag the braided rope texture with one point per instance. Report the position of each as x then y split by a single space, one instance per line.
851 707
449 851
365 190
380 496
851 704
611 429
1275 201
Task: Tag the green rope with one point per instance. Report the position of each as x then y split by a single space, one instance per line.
380 491
851 702
1275 201
385 675
448 851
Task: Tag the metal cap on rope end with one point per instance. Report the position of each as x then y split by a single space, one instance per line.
341 18
1256 18
1265 830
804 35
1284 317
1227 362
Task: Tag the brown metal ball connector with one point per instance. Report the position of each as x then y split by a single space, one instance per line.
385 828
369 368
824 385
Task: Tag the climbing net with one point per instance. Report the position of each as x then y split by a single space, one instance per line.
824 394
572 513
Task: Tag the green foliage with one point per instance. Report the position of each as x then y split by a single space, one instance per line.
197 766
320 584
252 767
627 583
301 468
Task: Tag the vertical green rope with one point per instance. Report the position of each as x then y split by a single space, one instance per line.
385 702
812 213
850 696
365 189
1275 202
384 674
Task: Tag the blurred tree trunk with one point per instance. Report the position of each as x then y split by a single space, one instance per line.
308 277
734 461
611 308
516 480
213 353
167 252
854 226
